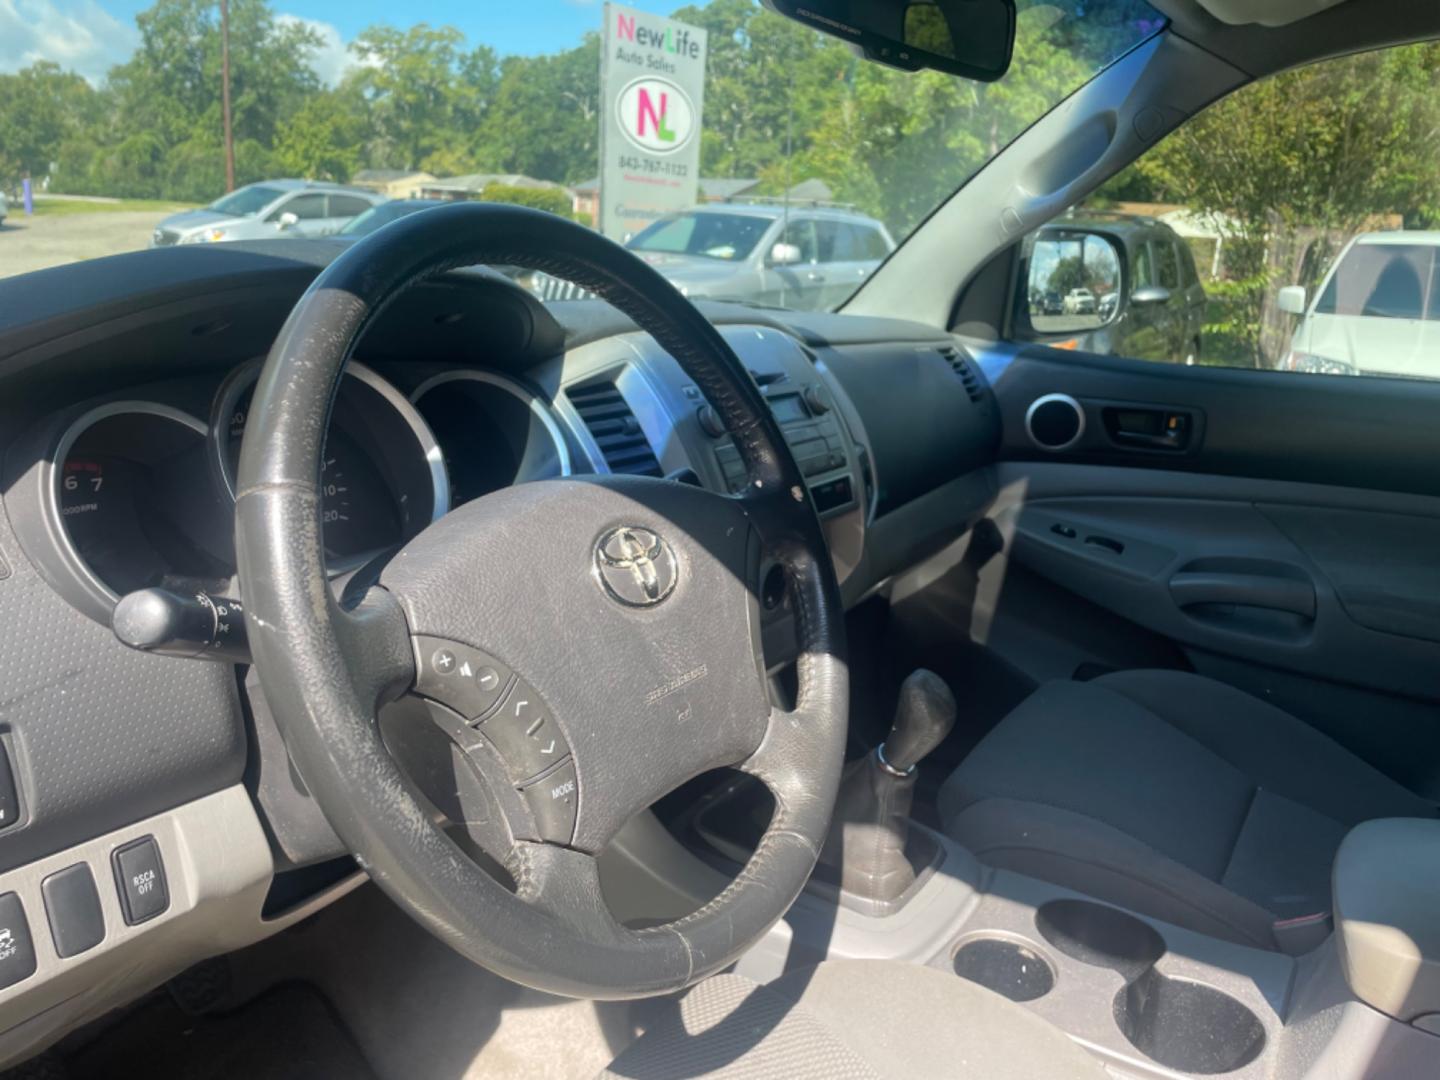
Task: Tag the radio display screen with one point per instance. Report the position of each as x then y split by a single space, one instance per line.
788 408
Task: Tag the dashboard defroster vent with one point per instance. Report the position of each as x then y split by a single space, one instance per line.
614 428
965 371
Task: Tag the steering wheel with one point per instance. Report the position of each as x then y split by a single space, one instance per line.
587 645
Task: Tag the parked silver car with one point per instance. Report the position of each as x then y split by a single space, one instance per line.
266 209
767 253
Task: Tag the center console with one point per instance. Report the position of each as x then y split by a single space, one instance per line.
1149 999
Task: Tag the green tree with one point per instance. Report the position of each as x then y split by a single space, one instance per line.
41 107
1069 273
1321 150
555 200
324 140
422 89
545 118
172 84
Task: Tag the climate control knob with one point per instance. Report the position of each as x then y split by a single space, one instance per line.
815 400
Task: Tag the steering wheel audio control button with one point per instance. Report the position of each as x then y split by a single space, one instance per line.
525 733
553 798
467 680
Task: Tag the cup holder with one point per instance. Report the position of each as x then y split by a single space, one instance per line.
1010 968
1101 936
1187 1025
1183 1025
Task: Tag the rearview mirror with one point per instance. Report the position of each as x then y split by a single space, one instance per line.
287 220
1291 299
1073 281
970 38
783 254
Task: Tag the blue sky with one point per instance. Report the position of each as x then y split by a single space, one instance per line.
90 35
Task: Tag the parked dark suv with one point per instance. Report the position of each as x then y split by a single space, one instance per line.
1149 302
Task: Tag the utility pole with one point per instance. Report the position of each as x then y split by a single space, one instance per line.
225 94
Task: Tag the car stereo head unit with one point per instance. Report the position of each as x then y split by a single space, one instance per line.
815 438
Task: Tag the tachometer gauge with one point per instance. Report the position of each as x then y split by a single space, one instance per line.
135 502
381 479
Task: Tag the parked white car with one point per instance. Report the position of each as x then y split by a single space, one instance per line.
1080 302
1376 313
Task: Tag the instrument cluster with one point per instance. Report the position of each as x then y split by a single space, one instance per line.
140 494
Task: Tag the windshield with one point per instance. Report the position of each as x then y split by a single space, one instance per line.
247 202
625 118
1385 281
715 236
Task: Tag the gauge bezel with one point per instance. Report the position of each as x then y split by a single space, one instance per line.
537 405
101 598
245 377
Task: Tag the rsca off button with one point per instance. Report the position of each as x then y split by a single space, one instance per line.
140 877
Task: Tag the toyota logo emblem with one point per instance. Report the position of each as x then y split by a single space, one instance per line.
635 566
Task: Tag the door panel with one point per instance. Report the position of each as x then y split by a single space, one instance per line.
1369 433
1290 545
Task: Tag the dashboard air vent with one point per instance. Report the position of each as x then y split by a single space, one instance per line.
614 428
965 370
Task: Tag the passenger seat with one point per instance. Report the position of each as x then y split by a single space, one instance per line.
1174 796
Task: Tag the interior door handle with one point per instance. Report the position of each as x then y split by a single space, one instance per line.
1252 590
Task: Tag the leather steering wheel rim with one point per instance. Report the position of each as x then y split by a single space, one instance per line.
327 669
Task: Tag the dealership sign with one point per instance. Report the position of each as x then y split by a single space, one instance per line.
652 82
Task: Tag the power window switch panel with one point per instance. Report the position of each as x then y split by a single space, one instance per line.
73 907
17 949
140 877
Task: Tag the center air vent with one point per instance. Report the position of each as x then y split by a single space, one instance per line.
614 429
965 370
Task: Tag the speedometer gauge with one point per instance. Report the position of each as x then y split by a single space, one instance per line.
380 481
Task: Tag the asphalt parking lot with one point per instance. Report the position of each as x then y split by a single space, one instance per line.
1065 324
34 243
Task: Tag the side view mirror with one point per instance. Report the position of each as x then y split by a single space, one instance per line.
287 220
1073 284
1291 299
783 254
1147 295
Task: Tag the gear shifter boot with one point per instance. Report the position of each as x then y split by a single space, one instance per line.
872 813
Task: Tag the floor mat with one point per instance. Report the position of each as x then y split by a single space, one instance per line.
290 1033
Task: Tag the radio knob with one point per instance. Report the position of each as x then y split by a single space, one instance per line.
815 400
710 421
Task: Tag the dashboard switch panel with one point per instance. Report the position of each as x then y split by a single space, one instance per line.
72 907
17 948
9 794
140 878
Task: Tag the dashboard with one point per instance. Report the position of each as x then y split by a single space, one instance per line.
124 393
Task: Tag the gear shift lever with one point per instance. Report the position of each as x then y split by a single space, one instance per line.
923 717
872 813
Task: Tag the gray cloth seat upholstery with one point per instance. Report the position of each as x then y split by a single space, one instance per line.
1170 794
851 1020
